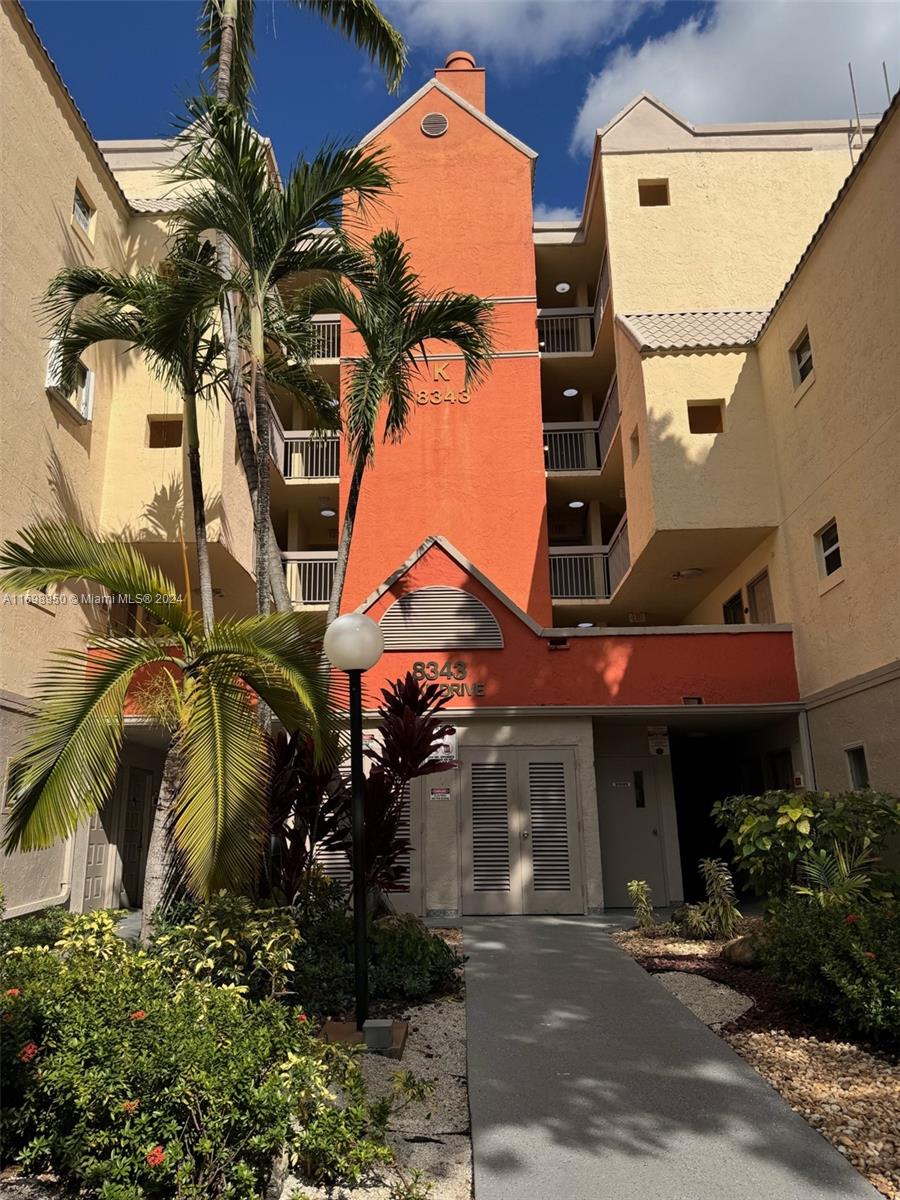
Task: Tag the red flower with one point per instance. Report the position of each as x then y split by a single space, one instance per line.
852 918
131 1106
13 992
156 1157
889 914
870 954
302 1017
137 1016
28 1051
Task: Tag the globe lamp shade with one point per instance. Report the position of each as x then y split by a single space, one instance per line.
353 643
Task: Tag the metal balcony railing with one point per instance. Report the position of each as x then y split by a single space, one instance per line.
590 572
328 337
571 447
579 573
303 453
609 419
309 576
567 333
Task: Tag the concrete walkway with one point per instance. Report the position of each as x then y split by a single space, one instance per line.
589 1081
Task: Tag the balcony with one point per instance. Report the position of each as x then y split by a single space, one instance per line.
574 330
609 420
590 572
301 454
328 338
310 575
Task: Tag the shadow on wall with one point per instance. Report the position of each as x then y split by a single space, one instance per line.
582 1065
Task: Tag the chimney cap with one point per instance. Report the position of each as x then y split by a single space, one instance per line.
460 60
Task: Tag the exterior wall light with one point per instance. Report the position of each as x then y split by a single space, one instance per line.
353 643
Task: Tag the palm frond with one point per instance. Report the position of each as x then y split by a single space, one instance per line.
279 657
67 768
365 24
50 552
220 812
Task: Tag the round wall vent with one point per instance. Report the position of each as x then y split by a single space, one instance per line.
434 125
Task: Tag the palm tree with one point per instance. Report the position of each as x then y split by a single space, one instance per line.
227 30
276 232
169 315
217 767
395 319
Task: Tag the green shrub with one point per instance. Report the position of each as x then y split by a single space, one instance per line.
692 921
134 1089
771 832
231 941
844 964
722 913
36 929
641 898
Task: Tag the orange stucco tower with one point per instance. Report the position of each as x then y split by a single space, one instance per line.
471 468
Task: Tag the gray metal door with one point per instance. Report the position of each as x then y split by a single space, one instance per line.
631 844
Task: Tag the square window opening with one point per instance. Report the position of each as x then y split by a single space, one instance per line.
801 358
733 610
164 432
858 767
829 549
706 416
653 193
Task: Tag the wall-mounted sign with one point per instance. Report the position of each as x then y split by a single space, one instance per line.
440 793
433 671
441 390
447 749
658 739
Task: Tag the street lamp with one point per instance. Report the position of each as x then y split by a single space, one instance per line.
353 643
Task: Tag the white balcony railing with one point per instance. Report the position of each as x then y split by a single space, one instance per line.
609 419
589 572
328 337
310 575
303 453
572 447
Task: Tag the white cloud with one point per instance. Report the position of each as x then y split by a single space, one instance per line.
559 212
514 31
755 60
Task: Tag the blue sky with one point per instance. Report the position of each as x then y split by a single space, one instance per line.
556 68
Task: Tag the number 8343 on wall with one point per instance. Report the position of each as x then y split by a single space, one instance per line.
455 673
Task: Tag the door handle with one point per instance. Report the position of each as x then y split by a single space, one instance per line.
656 833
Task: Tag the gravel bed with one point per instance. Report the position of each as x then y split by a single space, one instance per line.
848 1091
432 1137
714 1003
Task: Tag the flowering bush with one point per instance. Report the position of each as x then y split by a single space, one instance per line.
844 964
129 1085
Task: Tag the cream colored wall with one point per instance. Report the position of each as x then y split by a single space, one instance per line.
836 442
638 480
45 452
736 224
708 480
764 558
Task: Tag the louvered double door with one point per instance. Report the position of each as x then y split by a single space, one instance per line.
520 832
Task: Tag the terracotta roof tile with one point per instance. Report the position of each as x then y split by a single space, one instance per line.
694 330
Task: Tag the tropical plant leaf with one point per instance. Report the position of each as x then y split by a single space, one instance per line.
67 768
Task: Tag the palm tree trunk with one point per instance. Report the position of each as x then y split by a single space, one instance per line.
199 506
343 554
263 516
159 852
226 50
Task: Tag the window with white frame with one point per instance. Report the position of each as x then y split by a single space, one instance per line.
81 397
801 358
82 210
829 548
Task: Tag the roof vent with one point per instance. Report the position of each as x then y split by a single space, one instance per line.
440 618
434 125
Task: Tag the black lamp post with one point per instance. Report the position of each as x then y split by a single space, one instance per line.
353 643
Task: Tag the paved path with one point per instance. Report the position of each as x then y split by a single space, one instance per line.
589 1081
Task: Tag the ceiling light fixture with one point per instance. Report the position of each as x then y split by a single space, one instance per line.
562 287
327 512
570 392
687 573
576 504
585 624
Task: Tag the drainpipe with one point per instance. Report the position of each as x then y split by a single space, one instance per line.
61 897
806 752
